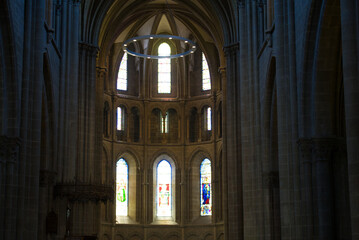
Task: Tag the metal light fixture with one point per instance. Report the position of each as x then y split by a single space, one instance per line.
192 45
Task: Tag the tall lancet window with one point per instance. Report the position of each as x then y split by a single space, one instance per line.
122 74
206 79
206 190
208 119
164 69
120 119
121 188
164 189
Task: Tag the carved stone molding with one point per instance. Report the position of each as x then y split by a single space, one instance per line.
9 148
101 73
231 49
84 192
88 47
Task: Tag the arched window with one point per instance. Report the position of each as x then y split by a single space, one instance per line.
206 79
122 74
121 188
164 69
206 187
164 189
208 119
120 119
164 123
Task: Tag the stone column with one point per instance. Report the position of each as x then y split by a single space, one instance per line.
232 142
350 45
322 159
9 159
305 149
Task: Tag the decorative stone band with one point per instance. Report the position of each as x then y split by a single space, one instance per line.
9 148
84 192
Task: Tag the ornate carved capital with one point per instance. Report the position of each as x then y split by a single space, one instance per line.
84 192
101 72
9 148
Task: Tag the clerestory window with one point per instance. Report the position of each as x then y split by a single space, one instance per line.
122 74
120 119
206 79
208 119
164 69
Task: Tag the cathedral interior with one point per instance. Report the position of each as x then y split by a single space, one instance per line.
179 120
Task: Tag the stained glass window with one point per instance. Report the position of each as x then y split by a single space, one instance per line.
121 188
120 119
164 189
164 69
122 74
206 79
206 190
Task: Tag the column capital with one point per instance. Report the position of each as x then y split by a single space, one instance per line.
231 49
101 72
88 47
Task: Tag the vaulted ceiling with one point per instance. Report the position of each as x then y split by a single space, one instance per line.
190 19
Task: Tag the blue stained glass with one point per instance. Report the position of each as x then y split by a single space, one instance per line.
206 190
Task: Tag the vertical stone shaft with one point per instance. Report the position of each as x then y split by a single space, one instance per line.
350 30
